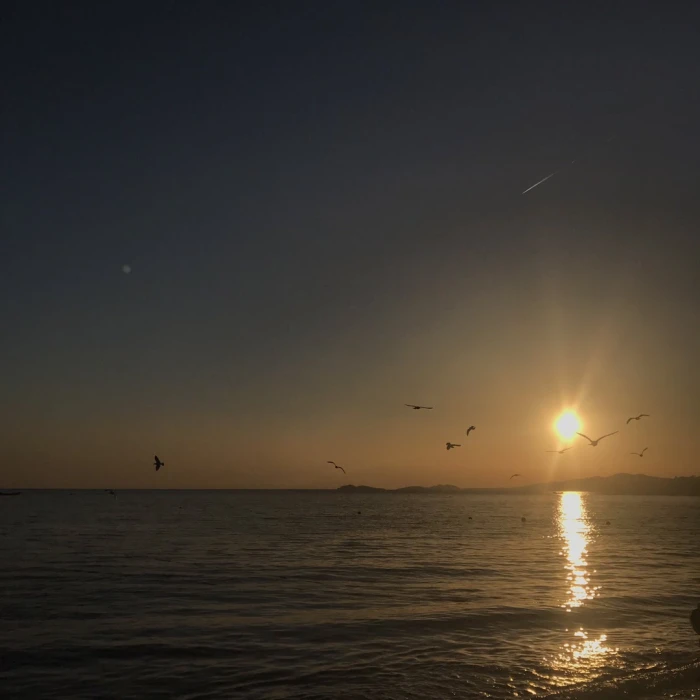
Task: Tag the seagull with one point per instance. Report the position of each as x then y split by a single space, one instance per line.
158 464
560 452
640 454
470 428
417 408
513 477
336 466
450 445
641 415
595 442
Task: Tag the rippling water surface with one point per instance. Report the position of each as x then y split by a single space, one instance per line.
215 594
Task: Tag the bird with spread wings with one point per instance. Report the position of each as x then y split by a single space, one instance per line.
593 443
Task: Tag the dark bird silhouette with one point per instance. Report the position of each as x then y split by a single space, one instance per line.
336 466
595 442
695 619
470 428
513 477
418 408
560 452
640 454
641 415
450 445
158 464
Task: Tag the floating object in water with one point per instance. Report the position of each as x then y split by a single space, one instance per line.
695 619
10 493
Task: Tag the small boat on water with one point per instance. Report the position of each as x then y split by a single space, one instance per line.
10 493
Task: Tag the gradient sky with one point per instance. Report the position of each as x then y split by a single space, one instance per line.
321 206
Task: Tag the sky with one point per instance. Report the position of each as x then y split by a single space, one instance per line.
321 208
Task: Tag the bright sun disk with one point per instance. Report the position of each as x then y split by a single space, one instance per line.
567 425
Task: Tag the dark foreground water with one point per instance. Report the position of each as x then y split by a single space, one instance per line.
329 595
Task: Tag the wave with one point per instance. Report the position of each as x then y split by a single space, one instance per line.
651 685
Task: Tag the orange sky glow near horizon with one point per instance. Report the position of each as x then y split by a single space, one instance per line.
254 282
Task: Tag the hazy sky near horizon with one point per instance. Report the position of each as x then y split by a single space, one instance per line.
320 203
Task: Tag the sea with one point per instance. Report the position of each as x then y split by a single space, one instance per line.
322 594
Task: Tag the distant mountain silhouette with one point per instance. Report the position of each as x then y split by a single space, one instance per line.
618 484
625 485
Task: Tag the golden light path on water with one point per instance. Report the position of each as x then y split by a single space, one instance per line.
582 656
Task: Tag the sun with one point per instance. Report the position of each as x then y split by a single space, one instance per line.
567 425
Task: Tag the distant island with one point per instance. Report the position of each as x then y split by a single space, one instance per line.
617 484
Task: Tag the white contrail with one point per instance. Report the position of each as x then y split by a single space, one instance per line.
539 183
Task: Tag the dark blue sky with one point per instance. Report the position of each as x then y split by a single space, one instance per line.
321 205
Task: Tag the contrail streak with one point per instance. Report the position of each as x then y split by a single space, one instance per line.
539 183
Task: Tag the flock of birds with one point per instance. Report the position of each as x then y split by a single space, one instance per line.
451 445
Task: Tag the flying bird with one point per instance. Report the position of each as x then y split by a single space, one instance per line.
470 428
417 408
640 454
158 464
641 415
450 445
513 477
539 183
560 452
595 442
336 466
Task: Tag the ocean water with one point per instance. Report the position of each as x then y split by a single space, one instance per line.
328 595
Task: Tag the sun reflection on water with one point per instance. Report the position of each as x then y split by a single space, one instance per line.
579 658
574 530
